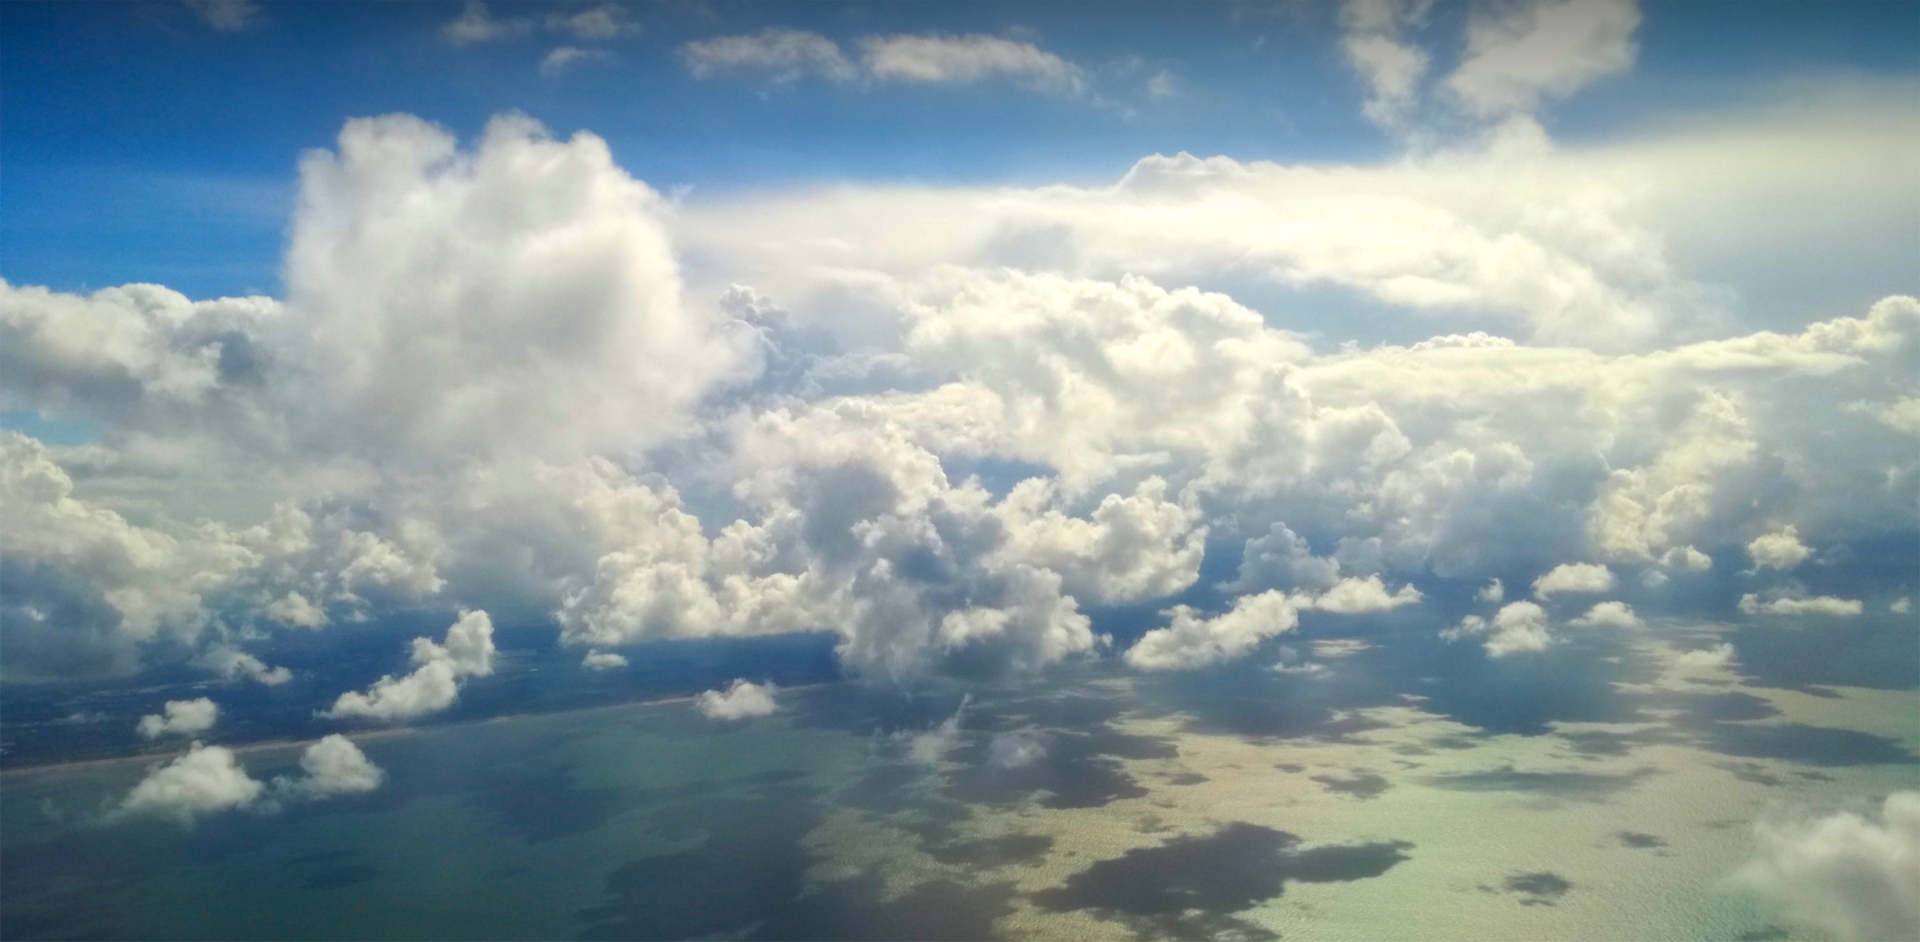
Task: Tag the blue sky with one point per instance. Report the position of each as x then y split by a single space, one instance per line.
142 144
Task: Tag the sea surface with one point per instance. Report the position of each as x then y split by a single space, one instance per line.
1384 794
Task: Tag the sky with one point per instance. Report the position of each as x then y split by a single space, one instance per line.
978 341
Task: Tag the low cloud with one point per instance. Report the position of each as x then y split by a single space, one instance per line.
1610 615
1845 874
1016 749
233 663
1517 628
1752 604
1362 596
1780 550
603 660
1191 641
1705 660
180 718
1573 577
226 16
435 681
209 779
741 700
785 55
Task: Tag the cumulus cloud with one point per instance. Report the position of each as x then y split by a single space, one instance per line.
1493 592
1782 604
333 766
1373 41
180 718
741 700
934 744
1610 615
1358 596
1573 577
1846 874
209 779
1015 749
1778 550
434 683
1517 628
1900 606
1705 660
1686 559
602 660
1190 640
206 779
234 663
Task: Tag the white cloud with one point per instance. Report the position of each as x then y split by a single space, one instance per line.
1353 596
741 700
1519 53
971 58
1573 577
476 25
1375 47
182 718
563 58
1753 604
1705 660
1610 615
1015 749
206 779
606 21
933 745
1518 627
1779 550
227 16
1493 592
1686 559
1190 641
434 683
602 660
1845 874
1900 606
209 779
783 55
231 662
333 766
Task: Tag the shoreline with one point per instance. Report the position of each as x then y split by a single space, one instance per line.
357 736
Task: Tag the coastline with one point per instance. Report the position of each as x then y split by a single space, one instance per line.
358 736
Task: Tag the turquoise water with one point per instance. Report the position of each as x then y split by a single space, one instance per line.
1141 809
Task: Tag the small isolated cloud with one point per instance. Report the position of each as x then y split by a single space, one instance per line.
209 779
1361 596
227 16
1191 641
1845 874
934 744
1900 606
1610 615
1162 85
1493 592
782 55
182 718
1573 577
602 661
1519 53
333 766
964 59
476 25
1519 627
435 681
1782 550
606 21
566 57
1292 662
1705 660
1373 41
296 611
1686 559
233 663
205 780
1016 749
739 701
1751 604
